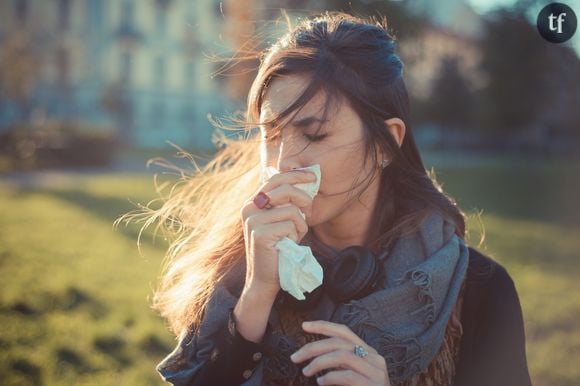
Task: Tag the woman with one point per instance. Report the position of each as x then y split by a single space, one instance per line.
331 92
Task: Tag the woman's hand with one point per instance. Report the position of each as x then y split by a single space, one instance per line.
338 352
263 228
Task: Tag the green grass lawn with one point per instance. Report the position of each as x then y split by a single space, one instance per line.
74 305
74 301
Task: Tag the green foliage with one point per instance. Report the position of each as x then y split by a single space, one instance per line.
527 74
451 101
56 144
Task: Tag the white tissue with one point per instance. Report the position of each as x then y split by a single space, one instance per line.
298 268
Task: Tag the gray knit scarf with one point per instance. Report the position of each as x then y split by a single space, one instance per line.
404 320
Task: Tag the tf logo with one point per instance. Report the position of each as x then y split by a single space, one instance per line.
557 22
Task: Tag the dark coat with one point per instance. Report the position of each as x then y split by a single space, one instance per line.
492 350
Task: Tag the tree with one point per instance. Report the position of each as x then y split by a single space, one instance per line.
515 58
450 103
534 85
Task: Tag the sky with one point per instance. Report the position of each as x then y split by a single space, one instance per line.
485 5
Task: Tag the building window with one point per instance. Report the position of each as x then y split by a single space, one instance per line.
95 11
189 76
126 67
161 16
158 113
64 14
188 115
63 66
127 15
21 10
159 72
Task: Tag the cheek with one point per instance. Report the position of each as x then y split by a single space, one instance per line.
316 212
268 153
339 174
324 209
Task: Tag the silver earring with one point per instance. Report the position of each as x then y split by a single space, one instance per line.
384 163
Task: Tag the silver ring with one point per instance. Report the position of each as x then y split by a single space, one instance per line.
360 351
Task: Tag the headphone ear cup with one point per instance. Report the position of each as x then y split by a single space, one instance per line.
353 274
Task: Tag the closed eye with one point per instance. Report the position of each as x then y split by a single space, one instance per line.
312 138
315 138
272 133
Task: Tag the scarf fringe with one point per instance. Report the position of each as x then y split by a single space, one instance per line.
441 371
423 281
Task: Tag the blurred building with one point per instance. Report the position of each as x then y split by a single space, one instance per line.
140 66
453 31
425 55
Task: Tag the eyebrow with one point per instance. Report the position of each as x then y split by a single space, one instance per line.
305 122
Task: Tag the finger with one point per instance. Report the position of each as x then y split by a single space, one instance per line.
342 359
291 213
344 378
292 177
284 183
277 231
340 330
320 347
285 194
323 346
279 196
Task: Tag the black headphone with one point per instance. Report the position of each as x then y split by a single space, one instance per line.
352 274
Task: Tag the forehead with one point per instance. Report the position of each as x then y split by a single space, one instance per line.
282 92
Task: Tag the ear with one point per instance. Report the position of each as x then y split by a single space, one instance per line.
397 128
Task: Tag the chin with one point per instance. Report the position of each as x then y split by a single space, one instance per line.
313 220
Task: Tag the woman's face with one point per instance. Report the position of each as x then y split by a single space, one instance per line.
337 147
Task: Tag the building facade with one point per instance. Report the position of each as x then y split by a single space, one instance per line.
142 67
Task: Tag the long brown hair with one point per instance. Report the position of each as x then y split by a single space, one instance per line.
351 59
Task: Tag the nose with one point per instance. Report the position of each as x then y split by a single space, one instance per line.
288 157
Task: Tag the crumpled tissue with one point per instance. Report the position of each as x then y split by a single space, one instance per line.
298 269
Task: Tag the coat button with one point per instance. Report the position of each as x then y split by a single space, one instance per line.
247 374
256 357
214 354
